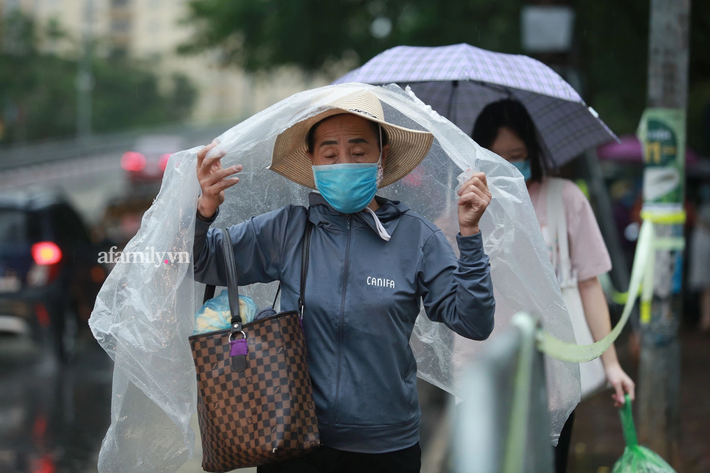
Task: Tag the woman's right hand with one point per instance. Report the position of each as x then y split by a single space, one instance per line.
213 180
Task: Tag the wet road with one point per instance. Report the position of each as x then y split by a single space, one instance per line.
52 418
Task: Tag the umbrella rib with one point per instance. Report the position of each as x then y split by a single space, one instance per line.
454 87
499 88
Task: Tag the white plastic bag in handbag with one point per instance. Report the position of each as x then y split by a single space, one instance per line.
592 375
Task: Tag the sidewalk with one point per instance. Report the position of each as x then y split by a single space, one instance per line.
597 441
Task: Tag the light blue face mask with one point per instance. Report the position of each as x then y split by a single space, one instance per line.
524 168
348 187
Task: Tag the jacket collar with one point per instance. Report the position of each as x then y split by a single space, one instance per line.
321 213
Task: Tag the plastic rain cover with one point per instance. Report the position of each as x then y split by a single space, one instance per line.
144 312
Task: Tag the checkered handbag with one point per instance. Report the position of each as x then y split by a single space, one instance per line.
255 400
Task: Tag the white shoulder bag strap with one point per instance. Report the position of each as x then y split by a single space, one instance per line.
592 373
557 226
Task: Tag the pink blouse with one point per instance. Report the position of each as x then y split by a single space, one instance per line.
588 252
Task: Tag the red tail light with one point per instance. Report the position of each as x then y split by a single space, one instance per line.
132 161
45 465
163 163
42 315
46 252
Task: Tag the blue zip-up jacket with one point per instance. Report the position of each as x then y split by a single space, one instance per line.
362 298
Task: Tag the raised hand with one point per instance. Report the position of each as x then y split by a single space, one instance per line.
213 180
473 201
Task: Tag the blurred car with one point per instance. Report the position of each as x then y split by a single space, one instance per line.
147 162
49 270
123 213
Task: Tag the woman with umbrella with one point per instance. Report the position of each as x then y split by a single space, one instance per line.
371 260
505 127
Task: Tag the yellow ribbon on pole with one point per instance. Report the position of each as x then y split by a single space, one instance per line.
642 275
664 217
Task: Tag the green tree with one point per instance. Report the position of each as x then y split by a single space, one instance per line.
38 88
314 34
611 41
699 91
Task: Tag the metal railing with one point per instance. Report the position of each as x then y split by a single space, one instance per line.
503 425
17 156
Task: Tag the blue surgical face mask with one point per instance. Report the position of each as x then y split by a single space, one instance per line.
524 168
349 187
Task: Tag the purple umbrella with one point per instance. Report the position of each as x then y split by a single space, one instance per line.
459 80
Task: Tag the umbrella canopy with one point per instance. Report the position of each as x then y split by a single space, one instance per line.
458 81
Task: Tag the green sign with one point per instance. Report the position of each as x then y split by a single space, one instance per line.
662 135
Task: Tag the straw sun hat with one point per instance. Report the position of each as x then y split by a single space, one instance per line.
407 147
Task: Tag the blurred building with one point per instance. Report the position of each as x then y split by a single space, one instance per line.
150 30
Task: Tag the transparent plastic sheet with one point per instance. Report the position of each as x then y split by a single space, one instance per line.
145 312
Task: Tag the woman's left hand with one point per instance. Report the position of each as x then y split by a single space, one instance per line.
621 383
473 200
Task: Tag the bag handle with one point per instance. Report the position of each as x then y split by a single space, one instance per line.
305 252
230 266
210 288
239 348
627 423
232 283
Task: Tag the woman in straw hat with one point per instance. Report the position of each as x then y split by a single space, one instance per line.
371 260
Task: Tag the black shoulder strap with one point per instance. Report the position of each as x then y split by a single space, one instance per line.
276 297
209 293
305 253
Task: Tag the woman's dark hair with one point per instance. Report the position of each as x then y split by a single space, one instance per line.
311 136
511 114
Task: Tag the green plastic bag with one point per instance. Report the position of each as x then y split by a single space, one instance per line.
637 459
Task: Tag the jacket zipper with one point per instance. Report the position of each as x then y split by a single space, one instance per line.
334 409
